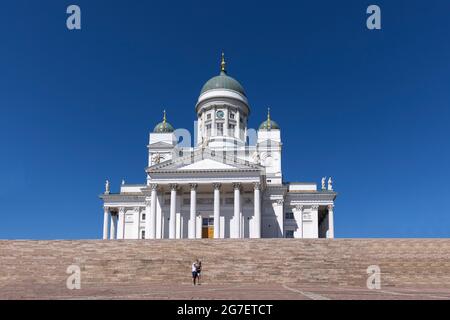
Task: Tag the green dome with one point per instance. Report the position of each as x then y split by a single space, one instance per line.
269 125
223 81
164 126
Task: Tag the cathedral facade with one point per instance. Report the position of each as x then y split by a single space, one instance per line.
228 185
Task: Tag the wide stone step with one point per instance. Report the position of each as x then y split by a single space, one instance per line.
403 262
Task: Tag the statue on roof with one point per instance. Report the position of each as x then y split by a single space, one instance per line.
330 184
107 187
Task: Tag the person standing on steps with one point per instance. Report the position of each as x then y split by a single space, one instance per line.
194 272
199 271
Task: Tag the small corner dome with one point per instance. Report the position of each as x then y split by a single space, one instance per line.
223 81
164 126
269 125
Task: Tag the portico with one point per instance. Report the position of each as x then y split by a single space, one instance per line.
183 206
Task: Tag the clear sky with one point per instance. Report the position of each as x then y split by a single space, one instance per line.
370 108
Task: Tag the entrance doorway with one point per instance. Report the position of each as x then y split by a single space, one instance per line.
207 228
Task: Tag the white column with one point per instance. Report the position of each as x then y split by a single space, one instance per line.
216 210
203 125
192 218
227 121
198 227
150 213
213 123
121 224
298 215
136 224
160 220
237 210
245 131
331 221
106 217
237 134
279 212
179 218
151 222
112 231
257 214
315 221
148 220
178 223
241 218
173 209
199 133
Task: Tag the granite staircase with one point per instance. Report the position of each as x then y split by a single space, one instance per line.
403 262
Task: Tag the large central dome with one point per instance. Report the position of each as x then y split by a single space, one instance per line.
223 81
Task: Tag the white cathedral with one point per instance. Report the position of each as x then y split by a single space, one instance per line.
229 185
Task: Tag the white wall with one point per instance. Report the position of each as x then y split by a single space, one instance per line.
310 224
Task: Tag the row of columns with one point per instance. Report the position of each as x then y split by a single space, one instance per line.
150 226
114 222
298 213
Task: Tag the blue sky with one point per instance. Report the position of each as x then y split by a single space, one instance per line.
370 108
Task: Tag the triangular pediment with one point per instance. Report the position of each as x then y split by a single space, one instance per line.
205 160
269 142
207 164
161 145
